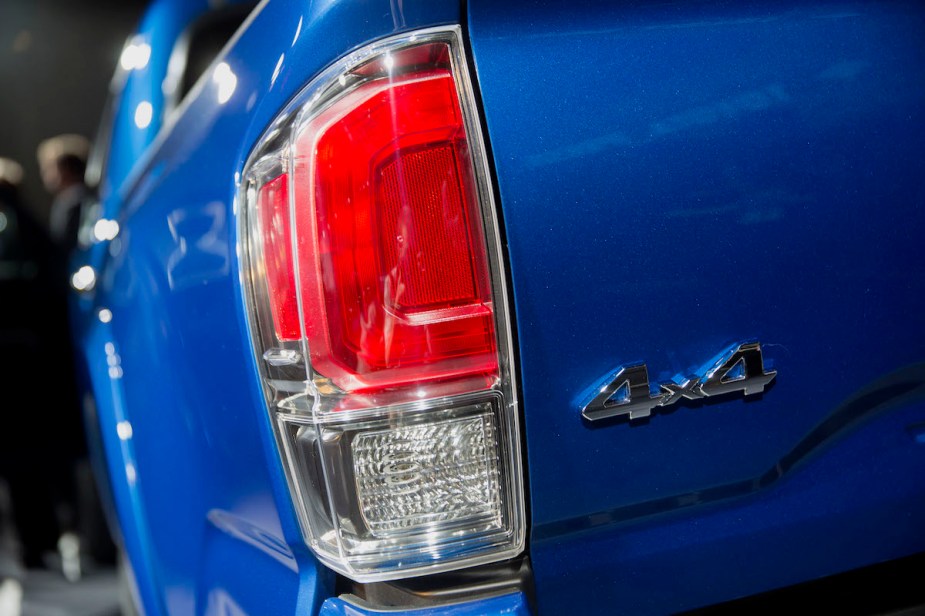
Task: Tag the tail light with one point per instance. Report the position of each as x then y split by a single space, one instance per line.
378 312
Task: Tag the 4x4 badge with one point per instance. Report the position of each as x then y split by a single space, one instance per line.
739 368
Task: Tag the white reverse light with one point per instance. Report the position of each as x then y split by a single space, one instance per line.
409 478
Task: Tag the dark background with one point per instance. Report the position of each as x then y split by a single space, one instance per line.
56 60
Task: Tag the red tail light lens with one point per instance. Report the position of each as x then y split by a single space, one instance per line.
396 287
273 205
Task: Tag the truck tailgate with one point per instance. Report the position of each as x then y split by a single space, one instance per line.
676 177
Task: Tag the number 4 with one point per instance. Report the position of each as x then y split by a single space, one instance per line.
627 393
740 369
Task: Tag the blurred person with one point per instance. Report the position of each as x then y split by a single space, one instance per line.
41 440
63 161
25 250
81 532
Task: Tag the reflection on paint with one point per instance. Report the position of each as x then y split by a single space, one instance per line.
225 81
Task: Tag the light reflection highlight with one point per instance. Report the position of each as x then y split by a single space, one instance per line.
105 230
124 430
279 65
225 80
84 279
113 361
136 54
144 113
298 31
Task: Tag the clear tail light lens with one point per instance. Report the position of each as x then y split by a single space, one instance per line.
377 306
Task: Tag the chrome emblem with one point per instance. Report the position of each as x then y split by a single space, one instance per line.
627 393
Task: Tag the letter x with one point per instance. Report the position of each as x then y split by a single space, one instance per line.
689 389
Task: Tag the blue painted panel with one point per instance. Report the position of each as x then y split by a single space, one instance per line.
99 354
200 440
675 177
859 502
231 544
160 27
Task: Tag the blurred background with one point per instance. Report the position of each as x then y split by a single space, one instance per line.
57 58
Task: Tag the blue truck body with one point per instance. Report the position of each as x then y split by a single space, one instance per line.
671 179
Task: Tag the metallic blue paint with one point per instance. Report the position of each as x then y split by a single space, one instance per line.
160 27
677 176
197 482
672 178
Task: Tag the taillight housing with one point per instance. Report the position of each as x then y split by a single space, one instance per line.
377 306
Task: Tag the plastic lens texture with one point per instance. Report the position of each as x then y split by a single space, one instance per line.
408 478
378 312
